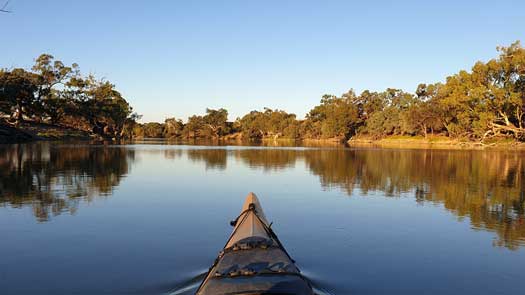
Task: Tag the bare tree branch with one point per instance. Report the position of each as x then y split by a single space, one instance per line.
3 9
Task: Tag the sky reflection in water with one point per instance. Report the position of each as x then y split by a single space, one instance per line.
144 218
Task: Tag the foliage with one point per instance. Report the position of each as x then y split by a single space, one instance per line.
18 93
153 130
334 117
172 128
484 103
58 94
269 123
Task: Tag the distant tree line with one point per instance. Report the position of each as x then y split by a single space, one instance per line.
486 102
54 93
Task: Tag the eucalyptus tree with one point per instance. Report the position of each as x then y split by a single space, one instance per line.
18 90
335 116
215 121
52 77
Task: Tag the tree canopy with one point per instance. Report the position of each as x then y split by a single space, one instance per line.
488 101
55 93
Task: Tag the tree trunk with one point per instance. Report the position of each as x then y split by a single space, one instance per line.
510 128
505 118
447 128
98 128
519 115
19 117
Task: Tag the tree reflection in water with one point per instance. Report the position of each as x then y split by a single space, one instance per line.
54 178
487 187
213 158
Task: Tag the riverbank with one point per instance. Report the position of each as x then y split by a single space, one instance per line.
31 131
401 142
435 142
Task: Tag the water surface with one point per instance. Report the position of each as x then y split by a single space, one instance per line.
151 218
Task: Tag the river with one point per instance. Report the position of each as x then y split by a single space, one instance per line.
150 218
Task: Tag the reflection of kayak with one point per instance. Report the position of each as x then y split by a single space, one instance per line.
253 260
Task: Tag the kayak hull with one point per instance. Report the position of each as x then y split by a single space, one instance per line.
253 260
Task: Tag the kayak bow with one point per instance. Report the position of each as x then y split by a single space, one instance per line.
253 260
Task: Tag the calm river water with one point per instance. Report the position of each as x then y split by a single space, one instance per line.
151 218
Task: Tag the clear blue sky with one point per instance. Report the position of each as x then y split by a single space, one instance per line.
175 58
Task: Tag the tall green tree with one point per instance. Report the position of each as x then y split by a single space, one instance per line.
335 116
215 121
18 90
51 74
269 123
173 127
489 100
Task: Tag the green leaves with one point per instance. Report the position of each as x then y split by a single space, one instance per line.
270 123
57 93
18 93
487 101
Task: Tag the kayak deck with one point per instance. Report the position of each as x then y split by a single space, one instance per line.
253 260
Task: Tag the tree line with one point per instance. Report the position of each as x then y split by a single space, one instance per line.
54 93
484 103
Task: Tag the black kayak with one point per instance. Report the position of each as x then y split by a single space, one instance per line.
253 261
